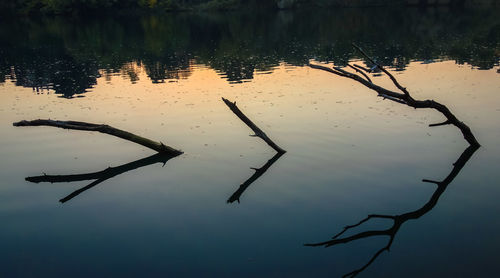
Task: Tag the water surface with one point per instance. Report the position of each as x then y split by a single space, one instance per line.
349 152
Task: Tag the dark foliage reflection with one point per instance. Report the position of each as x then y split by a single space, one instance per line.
68 55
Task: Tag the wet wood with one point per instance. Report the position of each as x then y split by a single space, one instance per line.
404 97
102 128
258 132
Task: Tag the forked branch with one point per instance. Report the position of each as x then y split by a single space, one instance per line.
404 97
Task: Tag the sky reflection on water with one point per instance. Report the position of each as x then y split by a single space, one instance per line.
349 153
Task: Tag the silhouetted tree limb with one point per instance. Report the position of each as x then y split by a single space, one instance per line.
404 97
157 146
101 176
393 79
258 132
360 72
258 172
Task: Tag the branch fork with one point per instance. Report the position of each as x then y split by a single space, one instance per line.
402 97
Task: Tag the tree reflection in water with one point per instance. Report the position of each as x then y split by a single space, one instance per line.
67 55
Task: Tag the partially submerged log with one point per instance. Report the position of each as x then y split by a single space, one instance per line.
258 132
157 146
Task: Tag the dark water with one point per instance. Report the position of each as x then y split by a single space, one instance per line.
206 213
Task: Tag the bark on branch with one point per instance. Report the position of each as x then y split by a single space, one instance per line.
157 146
258 132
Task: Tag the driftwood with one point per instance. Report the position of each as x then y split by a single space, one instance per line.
157 146
100 176
258 132
402 97
258 172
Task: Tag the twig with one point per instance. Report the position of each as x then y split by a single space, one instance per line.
258 132
363 68
403 89
361 72
157 146
447 122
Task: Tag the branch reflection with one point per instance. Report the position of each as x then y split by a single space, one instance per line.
100 176
258 172
398 220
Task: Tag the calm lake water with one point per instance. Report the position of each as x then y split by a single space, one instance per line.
349 152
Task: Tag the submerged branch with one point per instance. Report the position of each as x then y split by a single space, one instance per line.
258 132
157 146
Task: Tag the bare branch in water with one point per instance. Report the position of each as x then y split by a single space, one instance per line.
404 98
258 132
157 146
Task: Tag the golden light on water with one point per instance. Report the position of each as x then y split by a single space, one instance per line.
291 101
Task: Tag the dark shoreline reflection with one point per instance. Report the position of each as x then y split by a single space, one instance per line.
66 55
100 176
